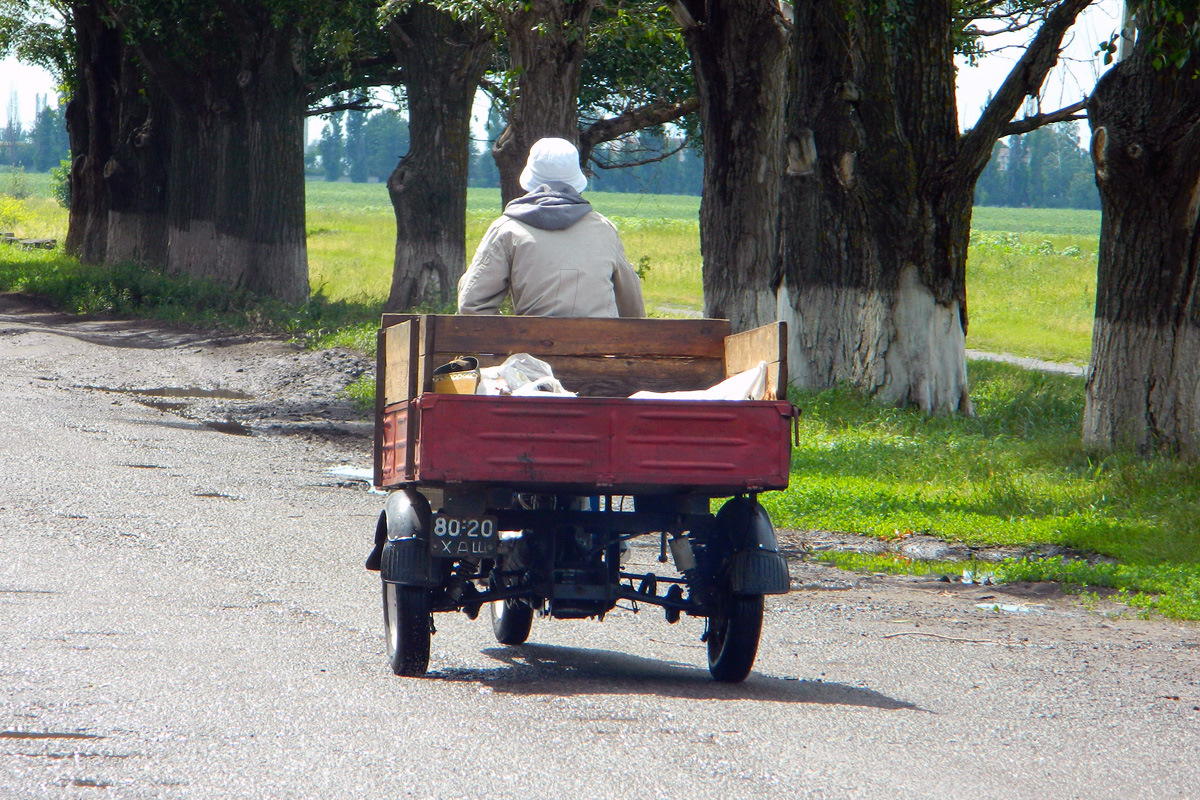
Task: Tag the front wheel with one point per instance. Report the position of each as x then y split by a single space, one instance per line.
407 628
733 632
511 620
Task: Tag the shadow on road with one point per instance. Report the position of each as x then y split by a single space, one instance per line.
21 313
536 669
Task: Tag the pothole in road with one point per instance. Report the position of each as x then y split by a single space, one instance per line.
173 400
230 427
183 392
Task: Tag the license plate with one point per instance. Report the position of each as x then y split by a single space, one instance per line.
464 536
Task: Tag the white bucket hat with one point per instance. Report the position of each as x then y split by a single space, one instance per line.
553 160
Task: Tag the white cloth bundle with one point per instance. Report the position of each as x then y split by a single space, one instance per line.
748 385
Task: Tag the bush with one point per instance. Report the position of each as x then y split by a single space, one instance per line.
60 183
18 185
12 211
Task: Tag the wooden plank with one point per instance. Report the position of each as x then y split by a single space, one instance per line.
767 343
610 376
388 320
38 244
549 336
425 353
782 377
400 360
380 373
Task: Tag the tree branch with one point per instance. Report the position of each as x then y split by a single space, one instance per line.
1028 124
663 156
363 104
1025 79
364 73
605 130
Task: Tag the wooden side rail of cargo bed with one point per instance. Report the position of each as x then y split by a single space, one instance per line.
593 357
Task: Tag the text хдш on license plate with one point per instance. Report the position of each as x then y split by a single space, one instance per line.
459 537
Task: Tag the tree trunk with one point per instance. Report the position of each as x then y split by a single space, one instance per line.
877 231
91 123
1143 386
136 174
739 58
547 40
442 60
236 175
878 195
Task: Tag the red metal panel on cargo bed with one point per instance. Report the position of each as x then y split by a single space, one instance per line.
702 443
604 442
396 448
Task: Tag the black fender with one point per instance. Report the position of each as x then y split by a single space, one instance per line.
401 552
753 563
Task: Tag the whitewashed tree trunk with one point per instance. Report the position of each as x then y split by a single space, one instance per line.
878 193
1143 390
902 346
1143 387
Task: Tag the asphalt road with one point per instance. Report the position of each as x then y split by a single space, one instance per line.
184 614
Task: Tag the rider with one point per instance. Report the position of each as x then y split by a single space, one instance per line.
556 256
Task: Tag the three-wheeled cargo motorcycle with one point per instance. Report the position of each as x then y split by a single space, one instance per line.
527 504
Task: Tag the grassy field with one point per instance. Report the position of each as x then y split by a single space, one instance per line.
351 236
1015 473
1030 272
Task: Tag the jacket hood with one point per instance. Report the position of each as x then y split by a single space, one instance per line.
551 206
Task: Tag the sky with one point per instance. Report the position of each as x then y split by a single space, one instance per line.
28 82
1069 82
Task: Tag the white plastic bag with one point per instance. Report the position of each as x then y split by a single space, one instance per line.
521 375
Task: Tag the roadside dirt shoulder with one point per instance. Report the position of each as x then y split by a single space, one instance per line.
234 383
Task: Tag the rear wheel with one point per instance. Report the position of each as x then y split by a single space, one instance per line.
733 632
407 628
511 620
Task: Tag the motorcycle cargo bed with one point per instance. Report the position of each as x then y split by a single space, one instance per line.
601 439
618 445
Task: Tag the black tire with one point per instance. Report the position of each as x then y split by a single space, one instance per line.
511 621
406 628
733 632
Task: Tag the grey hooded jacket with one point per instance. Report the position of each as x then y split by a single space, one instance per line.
556 256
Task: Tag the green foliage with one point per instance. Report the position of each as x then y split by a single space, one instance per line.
362 391
636 55
60 183
1042 169
132 290
17 184
643 268
681 171
1013 474
332 146
1169 32
33 32
12 212
51 144
971 39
